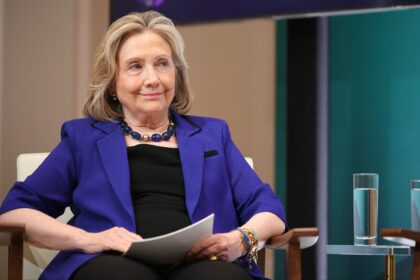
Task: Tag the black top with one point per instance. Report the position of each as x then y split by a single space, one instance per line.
157 190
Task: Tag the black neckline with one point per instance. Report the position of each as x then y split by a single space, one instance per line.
148 146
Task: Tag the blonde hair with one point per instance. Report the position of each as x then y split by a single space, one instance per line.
99 103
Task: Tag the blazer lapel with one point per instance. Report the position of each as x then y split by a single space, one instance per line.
192 160
113 152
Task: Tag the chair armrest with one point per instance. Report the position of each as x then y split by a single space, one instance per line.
12 237
8 231
403 236
307 237
292 242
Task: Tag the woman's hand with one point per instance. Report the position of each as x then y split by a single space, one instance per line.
225 246
115 239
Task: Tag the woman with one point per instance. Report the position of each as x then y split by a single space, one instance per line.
138 167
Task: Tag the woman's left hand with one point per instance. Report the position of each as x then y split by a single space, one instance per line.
225 246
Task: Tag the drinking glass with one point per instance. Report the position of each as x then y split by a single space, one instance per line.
415 204
365 208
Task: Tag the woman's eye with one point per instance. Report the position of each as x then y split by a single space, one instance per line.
163 63
134 67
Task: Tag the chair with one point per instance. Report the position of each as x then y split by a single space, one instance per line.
35 259
292 242
409 238
12 236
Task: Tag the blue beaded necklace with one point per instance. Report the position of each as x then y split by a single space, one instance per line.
145 137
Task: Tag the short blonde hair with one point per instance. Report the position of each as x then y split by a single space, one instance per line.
99 103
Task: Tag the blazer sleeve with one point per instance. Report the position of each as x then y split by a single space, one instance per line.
49 189
251 195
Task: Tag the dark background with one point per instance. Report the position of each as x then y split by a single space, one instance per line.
192 11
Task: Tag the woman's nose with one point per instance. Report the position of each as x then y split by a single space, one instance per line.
151 78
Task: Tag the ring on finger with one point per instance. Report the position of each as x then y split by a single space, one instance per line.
213 258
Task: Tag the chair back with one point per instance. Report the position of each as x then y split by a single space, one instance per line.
27 163
35 259
250 162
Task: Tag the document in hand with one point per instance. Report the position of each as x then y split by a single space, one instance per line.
170 248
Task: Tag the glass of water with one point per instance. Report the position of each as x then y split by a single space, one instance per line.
415 204
365 208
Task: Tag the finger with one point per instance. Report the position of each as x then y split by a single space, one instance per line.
193 253
132 235
203 244
116 239
221 256
213 250
123 234
216 249
118 245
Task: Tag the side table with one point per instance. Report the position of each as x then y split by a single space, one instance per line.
375 250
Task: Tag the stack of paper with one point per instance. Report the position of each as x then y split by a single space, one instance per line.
170 248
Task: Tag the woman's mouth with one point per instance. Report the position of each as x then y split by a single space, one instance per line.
151 94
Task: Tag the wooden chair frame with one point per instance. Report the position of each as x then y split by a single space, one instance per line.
12 237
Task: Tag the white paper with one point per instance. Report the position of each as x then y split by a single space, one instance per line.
170 248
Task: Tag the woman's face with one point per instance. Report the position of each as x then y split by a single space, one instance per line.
145 78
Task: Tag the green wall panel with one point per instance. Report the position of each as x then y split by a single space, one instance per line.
281 112
374 126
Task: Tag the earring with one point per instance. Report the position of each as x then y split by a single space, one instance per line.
114 97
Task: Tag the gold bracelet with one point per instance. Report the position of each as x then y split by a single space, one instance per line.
250 239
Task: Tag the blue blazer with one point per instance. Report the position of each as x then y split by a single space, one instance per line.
88 171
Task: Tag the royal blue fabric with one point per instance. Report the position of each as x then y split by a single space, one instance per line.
88 170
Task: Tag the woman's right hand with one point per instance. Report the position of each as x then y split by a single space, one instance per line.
114 239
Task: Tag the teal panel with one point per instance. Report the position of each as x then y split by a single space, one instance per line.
374 127
281 112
